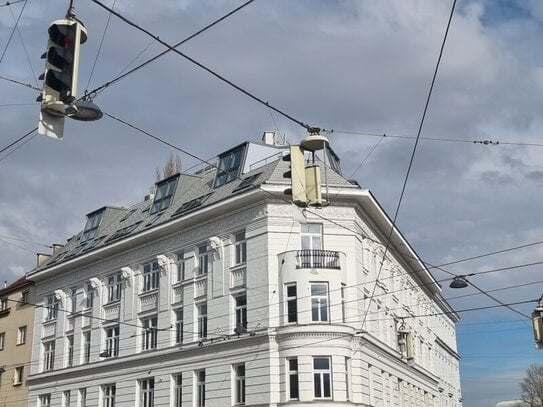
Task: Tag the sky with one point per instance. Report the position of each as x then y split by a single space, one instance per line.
359 68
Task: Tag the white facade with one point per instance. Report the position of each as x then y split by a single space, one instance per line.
247 301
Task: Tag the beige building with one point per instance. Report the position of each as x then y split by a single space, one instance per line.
16 325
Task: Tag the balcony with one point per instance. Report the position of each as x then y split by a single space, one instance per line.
112 310
317 259
237 277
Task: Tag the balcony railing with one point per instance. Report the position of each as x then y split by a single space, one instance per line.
322 259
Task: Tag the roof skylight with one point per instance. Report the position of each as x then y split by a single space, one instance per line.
229 166
91 227
164 194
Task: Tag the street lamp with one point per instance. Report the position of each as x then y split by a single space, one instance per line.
459 282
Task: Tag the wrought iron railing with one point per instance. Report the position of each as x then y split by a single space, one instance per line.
322 259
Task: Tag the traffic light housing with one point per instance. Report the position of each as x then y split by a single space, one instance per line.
61 65
538 327
296 175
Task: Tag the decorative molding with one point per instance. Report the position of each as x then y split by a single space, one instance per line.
165 264
61 295
217 247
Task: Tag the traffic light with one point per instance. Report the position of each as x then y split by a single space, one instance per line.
296 175
538 326
61 65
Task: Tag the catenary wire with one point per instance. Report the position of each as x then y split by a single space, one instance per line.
24 47
412 158
202 66
9 3
123 75
13 32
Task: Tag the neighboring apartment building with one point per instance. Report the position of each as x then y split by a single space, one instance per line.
217 291
16 326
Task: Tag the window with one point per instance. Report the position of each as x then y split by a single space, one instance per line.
229 166
292 303
25 297
114 287
2 340
164 194
178 326
18 377
86 342
293 388
181 267
73 299
147 392
4 304
69 350
241 313
348 378
239 384
343 308
311 236
319 302
200 388
177 390
322 374
48 355
21 335
150 332
151 274
44 400
202 320
240 246
91 227
66 398
83 397
108 394
112 341
52 308
203 260
89 296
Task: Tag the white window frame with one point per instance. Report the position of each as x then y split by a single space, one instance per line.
240 311
3 304
114 287
151 277
203 259
147 392
149 333
112 334
2 340
322 378
291 301
177 380
181 267
239 383
21 335
24 297
310 239
201 309
52 308
82 395
18 375
73 299
200 387
44 400
108 395
89 296
69 350
85 346
66 398
240 248
48 355
293 375
178 313
320 311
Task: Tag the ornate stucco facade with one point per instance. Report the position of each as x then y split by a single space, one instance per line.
230 295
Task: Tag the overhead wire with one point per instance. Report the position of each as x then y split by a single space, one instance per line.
9 3
24 47
178 44
13 32
202 66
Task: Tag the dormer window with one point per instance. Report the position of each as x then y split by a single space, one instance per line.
229 166
91 227
164 194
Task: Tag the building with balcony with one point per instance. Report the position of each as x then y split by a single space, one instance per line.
16 327
218 291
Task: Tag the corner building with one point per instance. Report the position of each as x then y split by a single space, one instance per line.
217 291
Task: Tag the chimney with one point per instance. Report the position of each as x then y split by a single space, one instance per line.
42 258
269 138
57 247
